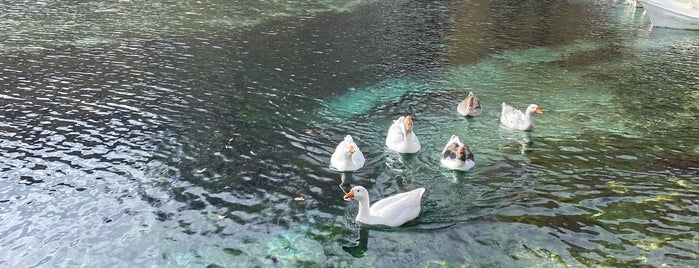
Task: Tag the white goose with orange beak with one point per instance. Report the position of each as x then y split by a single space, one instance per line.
516 119
401 137
347 156
391 211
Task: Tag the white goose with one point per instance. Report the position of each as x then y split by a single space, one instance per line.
470 106
516 119
391 211
401 137
347 156
456 155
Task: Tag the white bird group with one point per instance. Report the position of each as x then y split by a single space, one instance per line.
400 208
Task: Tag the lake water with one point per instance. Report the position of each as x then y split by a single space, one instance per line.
199 133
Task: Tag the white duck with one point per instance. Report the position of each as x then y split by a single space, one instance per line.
516 119
470 106
456 155
391 211
401 137
347 156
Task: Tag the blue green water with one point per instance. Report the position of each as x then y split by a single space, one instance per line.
199 134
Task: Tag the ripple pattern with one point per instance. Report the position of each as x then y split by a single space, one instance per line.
199 134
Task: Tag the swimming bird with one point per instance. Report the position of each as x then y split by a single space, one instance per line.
391 211
470 106
456 155
401 137
516 119
347 156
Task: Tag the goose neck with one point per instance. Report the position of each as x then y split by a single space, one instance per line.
364 205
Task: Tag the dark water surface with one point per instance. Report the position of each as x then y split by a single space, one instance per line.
173 134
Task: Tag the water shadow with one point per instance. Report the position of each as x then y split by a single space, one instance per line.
399 161
361 245
523 139
346 181
458 175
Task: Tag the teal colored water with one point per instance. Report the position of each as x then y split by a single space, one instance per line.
178 134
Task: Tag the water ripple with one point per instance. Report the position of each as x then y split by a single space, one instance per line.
204 128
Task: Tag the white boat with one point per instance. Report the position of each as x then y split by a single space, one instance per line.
672 13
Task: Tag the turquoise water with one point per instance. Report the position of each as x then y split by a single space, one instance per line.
178 134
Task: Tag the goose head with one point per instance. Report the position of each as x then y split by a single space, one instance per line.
460 154
349 146
464 154
470 100
533 108
408 125
358 193
470 106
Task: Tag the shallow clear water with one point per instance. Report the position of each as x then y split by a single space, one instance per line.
158 133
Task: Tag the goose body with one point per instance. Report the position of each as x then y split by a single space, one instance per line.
456 155
347 156
470 106
401 137
391 211
516 119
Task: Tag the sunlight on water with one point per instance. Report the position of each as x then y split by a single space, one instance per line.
360 101
198 134
36 26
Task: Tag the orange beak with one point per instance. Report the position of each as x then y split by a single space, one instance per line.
470 101
350 194
408 120
460 150
538 110
351 149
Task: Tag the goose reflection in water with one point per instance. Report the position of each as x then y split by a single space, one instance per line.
360 247
345 181
522 138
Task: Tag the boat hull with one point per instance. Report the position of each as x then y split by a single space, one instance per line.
670 14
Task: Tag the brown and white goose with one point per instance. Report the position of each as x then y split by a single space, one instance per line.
456 155
470 106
